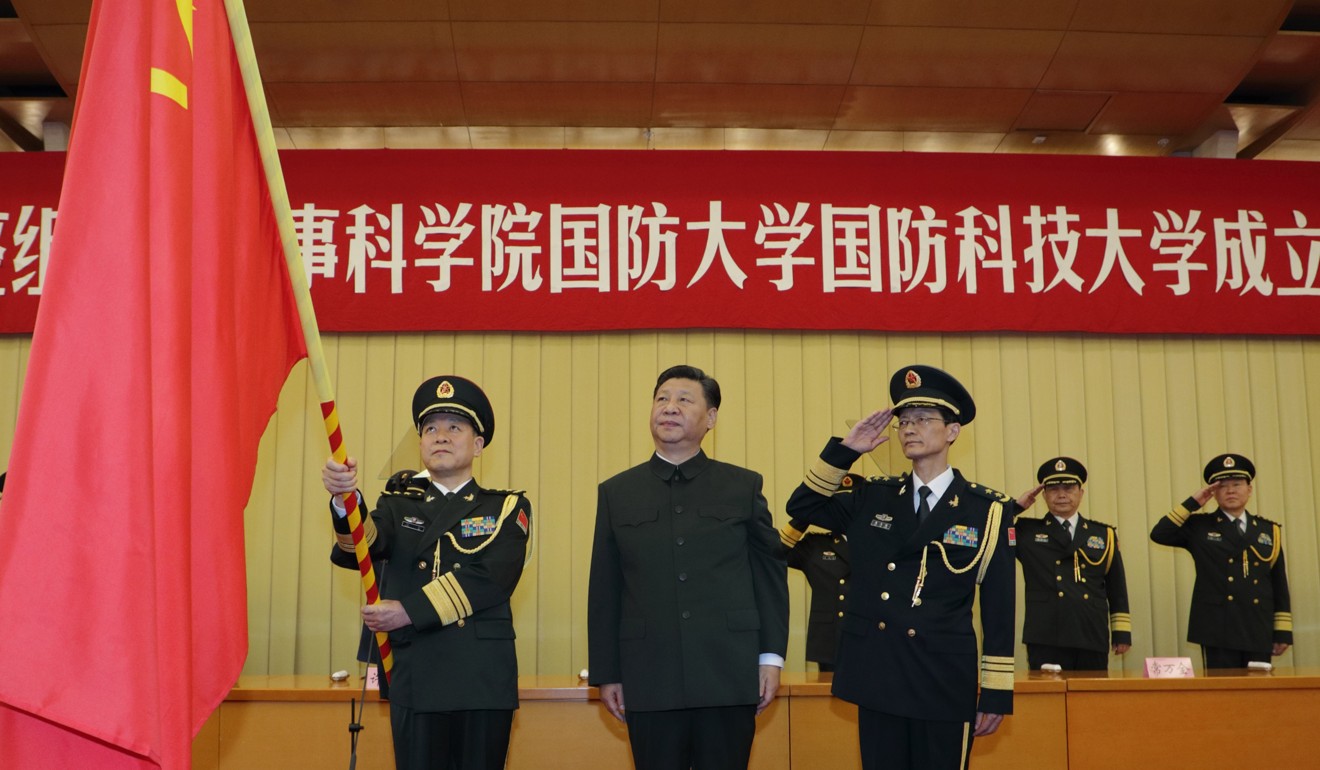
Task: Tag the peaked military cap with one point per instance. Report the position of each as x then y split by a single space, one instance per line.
919 385
1229 466
1061 470
454 395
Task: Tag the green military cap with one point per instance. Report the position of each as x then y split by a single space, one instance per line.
1229 466
1061 470
919 385
455 395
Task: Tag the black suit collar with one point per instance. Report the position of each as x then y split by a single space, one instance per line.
688 469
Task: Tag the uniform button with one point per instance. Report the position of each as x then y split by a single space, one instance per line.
680 541
678 509
916 602
457 567
884 595
840 614
1083 580
1230 597
686 614
881 626
1230 578
912 632
682 577
1086 596
461 622
1230 561
1255 601
840 597
1061 594
1255 582
421 565
842 581
1058 577
891 566
1255 564
1056 561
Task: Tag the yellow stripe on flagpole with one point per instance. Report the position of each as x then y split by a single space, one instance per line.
279 196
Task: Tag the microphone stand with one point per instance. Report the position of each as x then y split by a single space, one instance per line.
355 727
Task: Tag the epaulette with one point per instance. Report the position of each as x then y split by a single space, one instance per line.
1268 521
504 492
1101 524
988 493
403 484
889 481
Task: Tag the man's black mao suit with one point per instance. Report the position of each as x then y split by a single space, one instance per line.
687 585
1076 588
453 563
1240 600
906 652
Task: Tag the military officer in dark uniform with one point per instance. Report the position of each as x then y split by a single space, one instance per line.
1077 600
452 553
822 558
687 614
1240 606
922 543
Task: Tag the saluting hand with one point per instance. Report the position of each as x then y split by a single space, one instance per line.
1203 496
1028 498
870 431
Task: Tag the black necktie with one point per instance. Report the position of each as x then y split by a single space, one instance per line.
923 507
1068 528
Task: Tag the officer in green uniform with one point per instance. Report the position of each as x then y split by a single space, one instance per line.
922 543
1077 600
1240 606
450 555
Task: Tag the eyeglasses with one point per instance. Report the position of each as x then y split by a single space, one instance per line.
903 423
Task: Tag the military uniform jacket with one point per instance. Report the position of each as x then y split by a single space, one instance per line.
823 560
907 646
1240 599
688 586
453 563
1075 586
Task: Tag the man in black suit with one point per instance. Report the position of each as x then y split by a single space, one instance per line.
687 615
921 544
1076 587
1241 610
453 554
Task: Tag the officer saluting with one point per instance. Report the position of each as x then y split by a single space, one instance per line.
921 544
1076 588
454 554
1240 607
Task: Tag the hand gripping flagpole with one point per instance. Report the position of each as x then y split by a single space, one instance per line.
279 196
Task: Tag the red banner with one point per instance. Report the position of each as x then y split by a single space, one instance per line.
598 240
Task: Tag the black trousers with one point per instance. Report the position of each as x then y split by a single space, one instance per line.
450 740
1222 657
1070 658
891 742
717 738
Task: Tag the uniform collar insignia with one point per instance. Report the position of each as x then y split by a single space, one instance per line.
954 502
429 498
469 497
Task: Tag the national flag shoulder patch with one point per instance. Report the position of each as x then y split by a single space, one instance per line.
523 521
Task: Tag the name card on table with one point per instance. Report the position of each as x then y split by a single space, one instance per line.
1169 668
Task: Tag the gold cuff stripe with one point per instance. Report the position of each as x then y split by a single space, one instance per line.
444 607
1178 515
1120 621
456 594
997 661
824 478
345 540
1283 621
996 680
789 536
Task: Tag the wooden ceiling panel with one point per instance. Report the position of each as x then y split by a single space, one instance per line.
865 141
345 52
553 10
766 11
944 57
1070 143
1152 113
625 138
1287 66
1253 18
332 10
1292 149
37 12
517 137
774 139
749 105
338 138
1254 121
20 62
950 141
756 53
557 104
992 14
978 110
1307 126
1107 61
1060 111
554 50
61 46
365 104
427 138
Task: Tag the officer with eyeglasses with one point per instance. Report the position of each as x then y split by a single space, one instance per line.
921 542
1077 599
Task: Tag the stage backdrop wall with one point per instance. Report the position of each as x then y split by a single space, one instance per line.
1143 414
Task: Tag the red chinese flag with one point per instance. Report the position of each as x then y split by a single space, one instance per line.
167 327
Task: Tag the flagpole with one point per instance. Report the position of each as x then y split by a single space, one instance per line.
279 195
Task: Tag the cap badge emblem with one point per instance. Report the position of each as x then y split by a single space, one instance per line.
912 379
445 390
1228 462
1060 466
